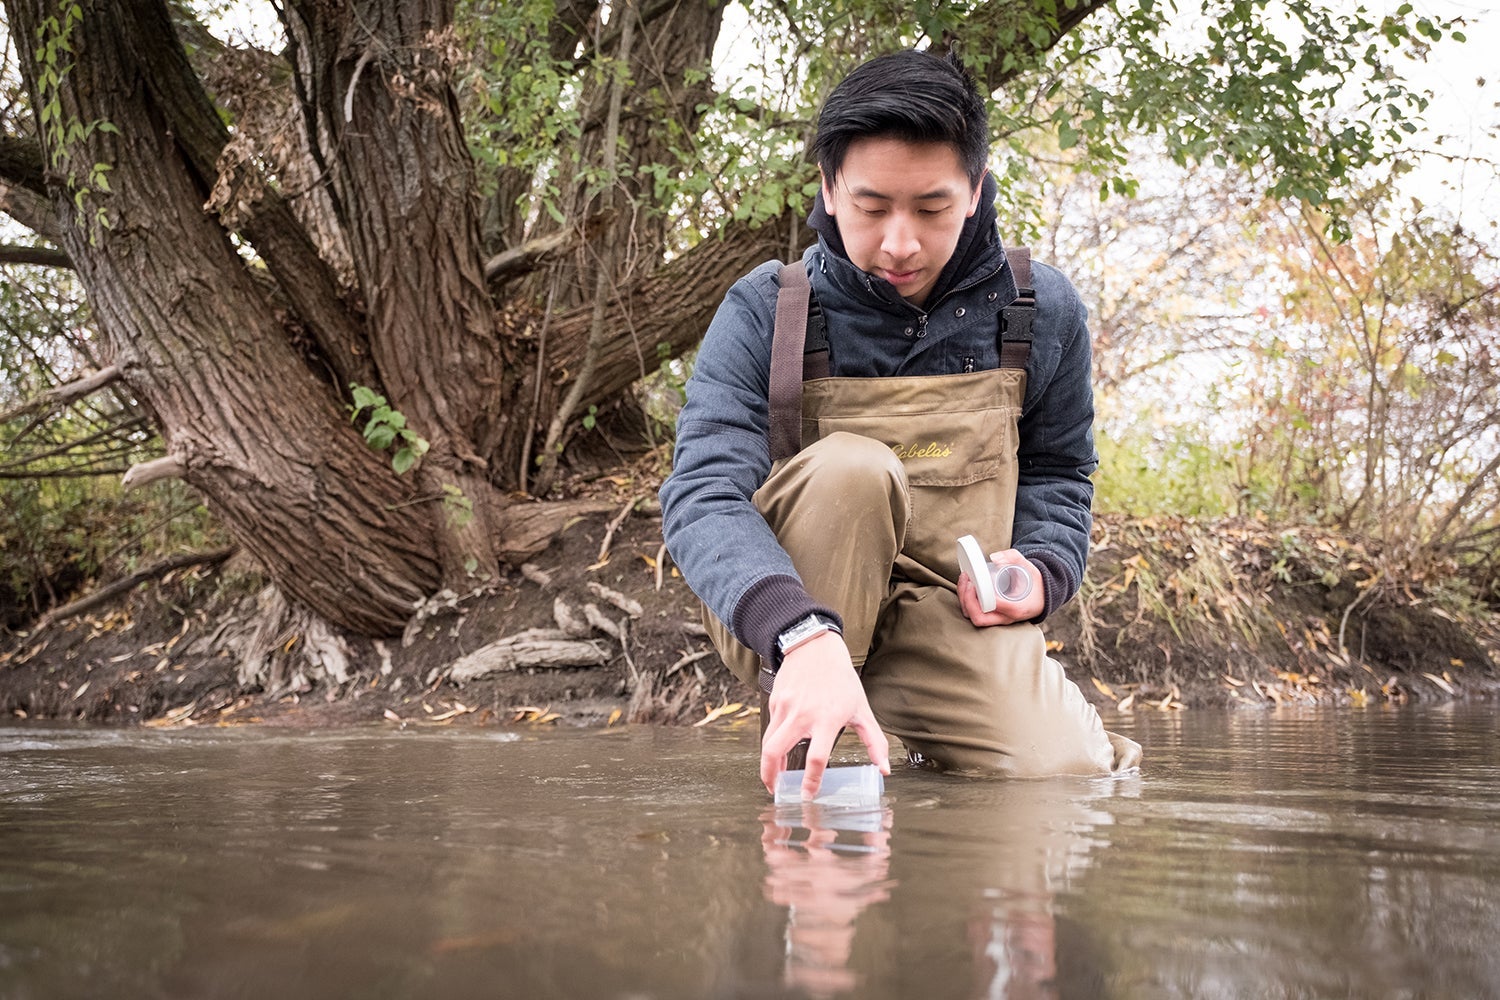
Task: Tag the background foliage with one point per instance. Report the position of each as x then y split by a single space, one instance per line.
1281 330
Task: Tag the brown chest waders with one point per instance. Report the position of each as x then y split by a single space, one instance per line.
872 482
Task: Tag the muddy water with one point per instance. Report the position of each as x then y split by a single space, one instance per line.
1312 855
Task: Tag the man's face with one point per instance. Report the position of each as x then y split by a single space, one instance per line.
900 207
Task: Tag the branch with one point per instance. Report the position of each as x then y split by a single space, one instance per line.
614 30
63 394
30 209
21 164
129 583
41 256
532 254
984 24
165 467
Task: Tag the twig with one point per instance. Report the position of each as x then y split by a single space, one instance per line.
1352 604
609 532
687 659
113 590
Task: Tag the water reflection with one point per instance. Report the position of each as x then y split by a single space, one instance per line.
826 866
1343 854
988 860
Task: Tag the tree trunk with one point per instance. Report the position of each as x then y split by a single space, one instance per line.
671 307
192 332
377 73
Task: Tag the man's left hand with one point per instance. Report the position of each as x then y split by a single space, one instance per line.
1006 612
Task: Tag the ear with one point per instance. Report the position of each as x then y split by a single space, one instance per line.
827 192
974 201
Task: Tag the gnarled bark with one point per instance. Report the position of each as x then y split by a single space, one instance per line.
195 339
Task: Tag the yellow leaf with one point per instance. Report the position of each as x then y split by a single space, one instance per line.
718 713
1455 663
287 648
648 560
1055 645
614 717
1358 697
1104 688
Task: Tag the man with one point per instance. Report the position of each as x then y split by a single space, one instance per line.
829 570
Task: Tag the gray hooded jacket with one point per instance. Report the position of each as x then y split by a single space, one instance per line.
728 554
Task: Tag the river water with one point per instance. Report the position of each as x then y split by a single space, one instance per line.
1312 854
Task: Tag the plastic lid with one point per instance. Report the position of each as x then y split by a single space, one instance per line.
972 561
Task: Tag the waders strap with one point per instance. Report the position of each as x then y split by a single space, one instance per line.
786 361
1015 319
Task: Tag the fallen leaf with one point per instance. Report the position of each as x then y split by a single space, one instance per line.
1439 682
614 717
717 713
1126 703
1104 688
392 716
1234 681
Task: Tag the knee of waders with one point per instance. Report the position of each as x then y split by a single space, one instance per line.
851 465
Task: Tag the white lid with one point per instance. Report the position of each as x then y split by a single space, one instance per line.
972 561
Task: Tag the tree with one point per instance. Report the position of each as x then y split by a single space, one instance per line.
326 249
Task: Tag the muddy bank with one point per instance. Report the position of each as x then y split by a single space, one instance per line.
1175 614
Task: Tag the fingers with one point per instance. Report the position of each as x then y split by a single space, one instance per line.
812 778
876 745
779 740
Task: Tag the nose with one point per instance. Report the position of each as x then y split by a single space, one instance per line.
899 240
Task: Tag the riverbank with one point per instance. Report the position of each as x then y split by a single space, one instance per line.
1175 614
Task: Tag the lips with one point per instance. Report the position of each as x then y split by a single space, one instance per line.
899 277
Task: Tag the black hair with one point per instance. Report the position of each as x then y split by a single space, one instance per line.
913 96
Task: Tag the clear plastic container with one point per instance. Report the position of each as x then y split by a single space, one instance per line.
992 583
857 787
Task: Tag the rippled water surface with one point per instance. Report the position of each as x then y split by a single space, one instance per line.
1352 854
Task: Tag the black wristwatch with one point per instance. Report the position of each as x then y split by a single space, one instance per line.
802 631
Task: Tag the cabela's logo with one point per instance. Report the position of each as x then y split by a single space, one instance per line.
929 450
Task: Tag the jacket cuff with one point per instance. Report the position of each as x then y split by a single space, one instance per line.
770 607
1059 583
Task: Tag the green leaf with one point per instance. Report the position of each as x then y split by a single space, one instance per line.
380 436
403 460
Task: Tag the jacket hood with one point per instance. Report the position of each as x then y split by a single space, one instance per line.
978 244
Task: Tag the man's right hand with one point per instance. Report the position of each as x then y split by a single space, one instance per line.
817 693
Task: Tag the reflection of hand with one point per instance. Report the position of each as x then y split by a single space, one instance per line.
825 889
1006 612
817 693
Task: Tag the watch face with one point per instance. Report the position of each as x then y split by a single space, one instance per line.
804 629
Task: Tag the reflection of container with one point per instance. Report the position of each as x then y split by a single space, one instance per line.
859 786
994 583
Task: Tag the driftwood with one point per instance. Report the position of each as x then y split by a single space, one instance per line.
537 647
629 605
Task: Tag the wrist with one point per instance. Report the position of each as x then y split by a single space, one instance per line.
801 632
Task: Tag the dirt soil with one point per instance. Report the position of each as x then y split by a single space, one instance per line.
1175 614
